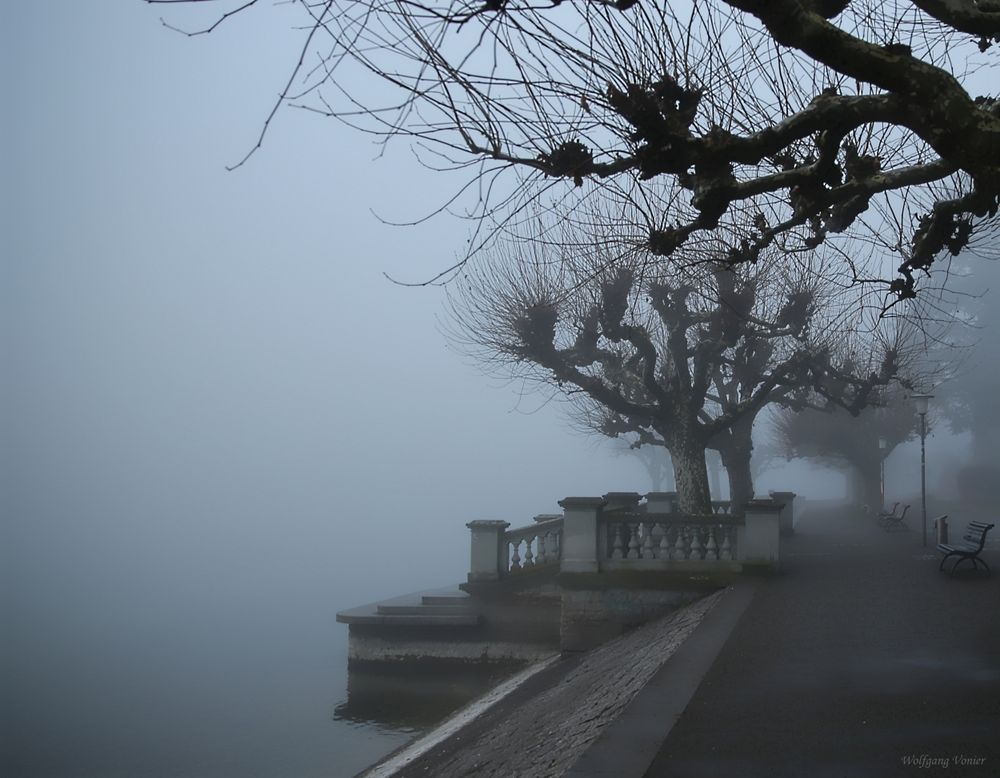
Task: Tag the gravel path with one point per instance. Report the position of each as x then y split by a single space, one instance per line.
541 731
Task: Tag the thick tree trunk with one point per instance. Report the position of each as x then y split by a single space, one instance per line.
740 478
690 473
737 451
865 478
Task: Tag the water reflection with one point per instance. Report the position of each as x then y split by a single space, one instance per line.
415 697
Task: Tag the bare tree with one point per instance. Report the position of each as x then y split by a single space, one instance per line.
813 121
668 358
849 443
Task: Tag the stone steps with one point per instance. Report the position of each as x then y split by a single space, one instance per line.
423 609
456 597
436 608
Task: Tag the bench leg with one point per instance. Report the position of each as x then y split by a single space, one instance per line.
941 566
976 561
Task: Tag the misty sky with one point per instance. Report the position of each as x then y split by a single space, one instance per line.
191 348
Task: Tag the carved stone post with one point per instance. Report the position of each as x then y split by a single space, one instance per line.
759 541
579 538
489 550
787 519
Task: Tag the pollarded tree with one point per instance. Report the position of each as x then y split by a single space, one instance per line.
686 362
816 121
850 443
835 383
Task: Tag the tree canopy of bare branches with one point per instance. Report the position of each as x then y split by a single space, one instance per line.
813 121
682 356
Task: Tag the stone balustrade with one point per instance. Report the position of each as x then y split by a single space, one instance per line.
535 546
668 537
616 532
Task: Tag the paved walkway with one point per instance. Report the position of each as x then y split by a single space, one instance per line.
544 726
860 659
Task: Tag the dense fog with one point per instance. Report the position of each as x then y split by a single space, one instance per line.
221 423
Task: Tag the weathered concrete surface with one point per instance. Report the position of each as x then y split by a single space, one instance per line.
542 728
450 625
860 660
591 617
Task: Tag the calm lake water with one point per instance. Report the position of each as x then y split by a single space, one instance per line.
111 671
282 708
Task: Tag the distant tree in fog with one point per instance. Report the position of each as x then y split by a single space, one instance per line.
655 460
834 437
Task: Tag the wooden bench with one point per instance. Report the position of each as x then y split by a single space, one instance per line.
975 539
890 521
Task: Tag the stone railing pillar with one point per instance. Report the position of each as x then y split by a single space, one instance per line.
488 561
759 542
786 521
579 538
661 502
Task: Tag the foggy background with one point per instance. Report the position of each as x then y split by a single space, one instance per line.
220 422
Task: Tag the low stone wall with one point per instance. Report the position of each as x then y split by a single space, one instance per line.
591 617
519 626
366 646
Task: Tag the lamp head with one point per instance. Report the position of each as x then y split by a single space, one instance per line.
920 401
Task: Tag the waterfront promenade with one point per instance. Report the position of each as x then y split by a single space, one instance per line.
857 659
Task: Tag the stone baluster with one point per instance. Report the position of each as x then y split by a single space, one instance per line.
515 557
696 547
664 547
529 559
633 540
678 553
711 548
543 555
647 541
726 550
616 544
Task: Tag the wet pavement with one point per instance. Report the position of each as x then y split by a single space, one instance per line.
858 659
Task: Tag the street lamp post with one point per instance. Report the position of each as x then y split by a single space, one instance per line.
882 445
920 400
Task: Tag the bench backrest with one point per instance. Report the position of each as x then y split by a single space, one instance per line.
975 533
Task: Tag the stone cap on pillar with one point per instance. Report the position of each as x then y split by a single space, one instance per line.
488 524
547 517
764 505
782 495
661 502
622 500
569 503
